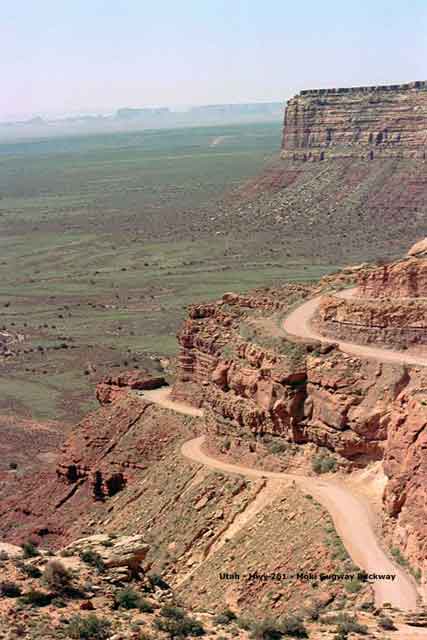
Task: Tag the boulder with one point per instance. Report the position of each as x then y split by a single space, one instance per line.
126 551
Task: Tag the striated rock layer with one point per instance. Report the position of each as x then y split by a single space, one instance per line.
390 305
361 122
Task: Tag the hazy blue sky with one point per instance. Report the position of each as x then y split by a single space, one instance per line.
67 55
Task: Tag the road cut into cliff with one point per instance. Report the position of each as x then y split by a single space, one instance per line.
350 512
353 520
298 325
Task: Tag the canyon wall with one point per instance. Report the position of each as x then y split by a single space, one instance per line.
359 122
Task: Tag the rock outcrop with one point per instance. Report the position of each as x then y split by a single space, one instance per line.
359 122
126 551
112 387
389 305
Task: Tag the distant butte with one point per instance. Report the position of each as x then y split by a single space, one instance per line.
360 122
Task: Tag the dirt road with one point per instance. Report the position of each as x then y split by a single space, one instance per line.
353 521
350 511
298 323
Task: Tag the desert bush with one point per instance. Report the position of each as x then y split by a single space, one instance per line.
130 599
170 611
176 623
56 575
36 598
180 628
29 550
9 590
266 630
398 556
347 624
58 603
88 628
30 570
293 626
244 623
323 463
276 447
93 558
225 617
353 586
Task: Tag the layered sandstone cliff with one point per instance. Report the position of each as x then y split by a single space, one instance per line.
361 122
389 305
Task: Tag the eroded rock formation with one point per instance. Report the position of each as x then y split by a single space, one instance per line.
389 305
360 122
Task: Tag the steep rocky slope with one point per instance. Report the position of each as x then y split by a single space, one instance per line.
121 472
99 588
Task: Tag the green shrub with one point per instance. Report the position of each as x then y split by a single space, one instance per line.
397 555
58 603
30 570
323 463
127 598
169 611
30 550
266 630
277 446
225 617
9 589
93 558
107 543
293 626
88 628
177 624
353 586
347 624
130 599
36 598
56 575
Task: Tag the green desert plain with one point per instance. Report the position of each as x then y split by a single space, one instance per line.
105 240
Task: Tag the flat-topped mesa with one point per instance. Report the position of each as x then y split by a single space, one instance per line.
389 305
360 122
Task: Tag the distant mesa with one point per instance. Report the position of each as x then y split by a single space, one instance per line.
136 114
24 123
389 306
249 108
360 122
